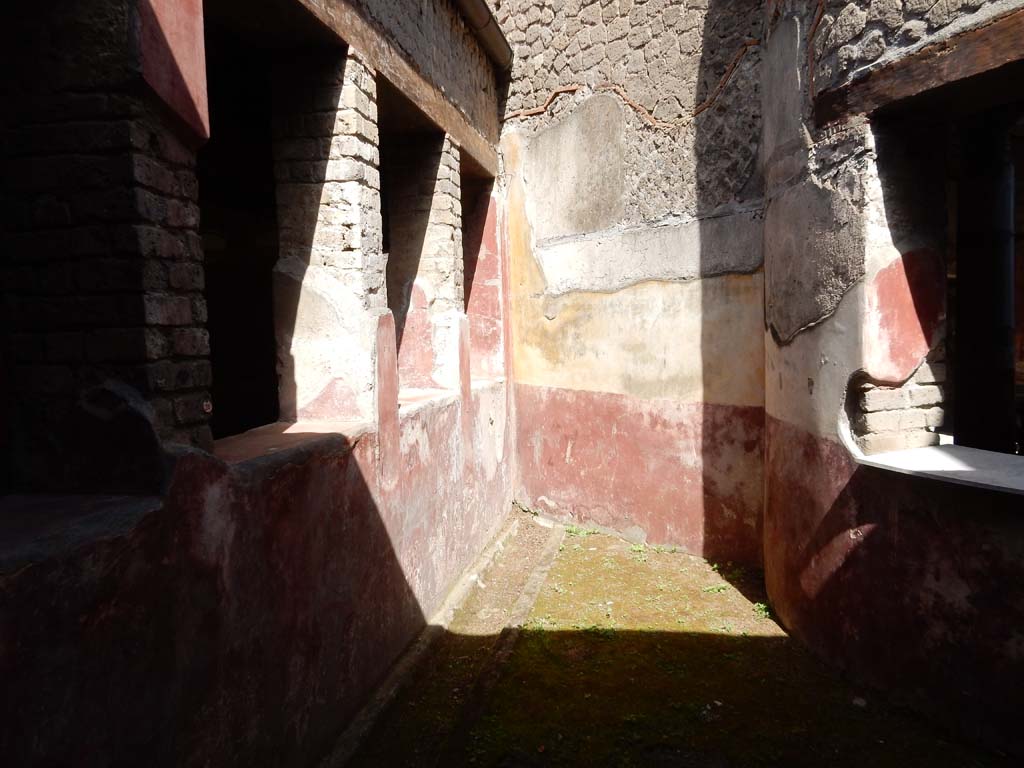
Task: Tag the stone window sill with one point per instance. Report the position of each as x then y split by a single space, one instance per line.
282 436
411 399
487 382
955 464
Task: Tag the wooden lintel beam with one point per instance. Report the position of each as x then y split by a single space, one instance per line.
384 57
995 44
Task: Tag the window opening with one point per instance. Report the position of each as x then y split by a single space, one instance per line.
238 224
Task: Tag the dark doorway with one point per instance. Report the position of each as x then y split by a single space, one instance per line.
239 230
1017 148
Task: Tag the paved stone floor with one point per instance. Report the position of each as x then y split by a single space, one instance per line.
575 648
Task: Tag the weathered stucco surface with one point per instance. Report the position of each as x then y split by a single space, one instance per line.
852 36
561 163
434 36
661 61
688 310
882 574
635 247
261 600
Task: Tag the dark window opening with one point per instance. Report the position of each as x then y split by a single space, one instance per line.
979 124
1017 148
986 283
239 231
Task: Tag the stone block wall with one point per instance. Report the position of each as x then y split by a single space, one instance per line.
434 36
103 269
882 573
851 36
425 265
910 416
329 279
663 61
634 218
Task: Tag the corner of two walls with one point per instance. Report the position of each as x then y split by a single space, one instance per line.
634 228
881 574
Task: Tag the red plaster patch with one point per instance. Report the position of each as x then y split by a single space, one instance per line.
416 347
336 401
905 307
687 474
484 296
174 58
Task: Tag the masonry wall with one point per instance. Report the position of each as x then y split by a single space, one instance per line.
634 220
246 615
436 38
425 262
103 277
851 37
907 584
329 278
201 603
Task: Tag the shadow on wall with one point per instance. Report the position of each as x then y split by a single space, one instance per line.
476 201
410 156
242 629
921 572
728 177
908 584
243 616
309 253
76 259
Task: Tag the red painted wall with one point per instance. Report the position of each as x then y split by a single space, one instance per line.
484 289
248 616
174 59
908 584
685 474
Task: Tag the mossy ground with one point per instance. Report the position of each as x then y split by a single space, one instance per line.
642 656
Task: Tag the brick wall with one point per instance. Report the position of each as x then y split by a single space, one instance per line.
435 38
853 35
329 279
103 275
425 264
909 416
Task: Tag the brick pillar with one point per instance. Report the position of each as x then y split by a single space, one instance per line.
425 275
104 349
329 278
443 264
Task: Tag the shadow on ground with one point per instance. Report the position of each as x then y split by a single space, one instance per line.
640 656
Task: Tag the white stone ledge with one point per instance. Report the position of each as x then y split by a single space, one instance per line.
264 441
955 464
413 399
616 258
479 383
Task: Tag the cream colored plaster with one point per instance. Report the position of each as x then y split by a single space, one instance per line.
692 341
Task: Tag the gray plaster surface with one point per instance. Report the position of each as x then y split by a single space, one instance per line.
575 170
614 259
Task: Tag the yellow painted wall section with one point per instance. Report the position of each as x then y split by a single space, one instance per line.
697 340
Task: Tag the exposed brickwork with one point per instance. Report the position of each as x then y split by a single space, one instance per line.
104 267
330 272
435 38
426 270
910 416
854 35
663 61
